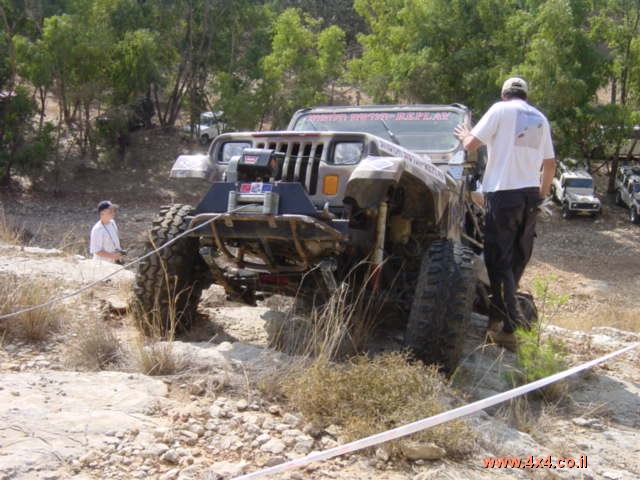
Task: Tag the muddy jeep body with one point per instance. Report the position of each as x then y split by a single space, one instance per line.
296 212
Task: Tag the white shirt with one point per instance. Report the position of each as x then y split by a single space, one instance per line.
518 139
104 237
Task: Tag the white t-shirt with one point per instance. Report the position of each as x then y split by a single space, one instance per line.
518 139
104 237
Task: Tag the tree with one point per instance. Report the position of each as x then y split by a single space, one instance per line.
300 64
433 51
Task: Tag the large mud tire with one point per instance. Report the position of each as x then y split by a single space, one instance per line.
169 284
441 311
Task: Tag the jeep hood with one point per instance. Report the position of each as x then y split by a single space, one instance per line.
582 195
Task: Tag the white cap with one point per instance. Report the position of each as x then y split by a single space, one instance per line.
514 84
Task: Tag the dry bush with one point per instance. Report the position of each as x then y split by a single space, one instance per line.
158 358
8 234
37 325
366 396
95 347
340 327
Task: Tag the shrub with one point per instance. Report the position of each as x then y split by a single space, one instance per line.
158 358
33 326
96 347
366 396
537 358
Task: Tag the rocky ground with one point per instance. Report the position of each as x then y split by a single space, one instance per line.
211 421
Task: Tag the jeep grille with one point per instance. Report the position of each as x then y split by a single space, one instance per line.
301 162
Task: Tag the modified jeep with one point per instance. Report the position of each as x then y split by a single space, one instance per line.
574 190
382 191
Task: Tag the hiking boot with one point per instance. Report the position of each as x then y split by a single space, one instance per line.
504 339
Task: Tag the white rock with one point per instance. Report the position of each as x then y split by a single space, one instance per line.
170 475
156 450
291 419
170 456
382 454
226 469
275 446
198 429
303 446
422 451
264 438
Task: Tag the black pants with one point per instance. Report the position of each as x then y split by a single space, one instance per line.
510 227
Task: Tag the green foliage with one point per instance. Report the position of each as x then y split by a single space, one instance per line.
535 358
433 51
302 61
548 300
15 114
260 61
134 65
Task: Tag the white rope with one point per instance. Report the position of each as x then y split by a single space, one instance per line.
423 424
124 267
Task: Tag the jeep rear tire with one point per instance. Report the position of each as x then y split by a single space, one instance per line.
619 199
169 284
633 215
441 311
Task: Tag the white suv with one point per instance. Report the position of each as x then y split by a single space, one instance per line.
574 190
628 191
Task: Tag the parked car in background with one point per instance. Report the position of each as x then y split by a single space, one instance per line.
574 190
211 125
628 191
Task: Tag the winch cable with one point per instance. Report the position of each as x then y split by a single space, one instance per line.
124 267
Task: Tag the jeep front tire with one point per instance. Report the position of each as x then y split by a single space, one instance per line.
441 311
169 284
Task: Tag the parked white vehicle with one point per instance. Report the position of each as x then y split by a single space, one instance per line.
574 190
628 191
210 126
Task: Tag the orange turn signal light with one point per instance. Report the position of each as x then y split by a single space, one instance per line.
330 184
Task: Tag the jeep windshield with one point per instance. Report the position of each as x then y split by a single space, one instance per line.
579 183
419 130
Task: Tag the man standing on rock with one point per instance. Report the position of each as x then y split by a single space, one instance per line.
105 242
518 139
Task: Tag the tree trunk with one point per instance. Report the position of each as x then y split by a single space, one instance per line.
614 85
43 104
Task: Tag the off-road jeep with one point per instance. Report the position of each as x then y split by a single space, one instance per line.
628 191
295 212
574 190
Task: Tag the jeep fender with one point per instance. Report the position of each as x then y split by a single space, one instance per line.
193 166
370 181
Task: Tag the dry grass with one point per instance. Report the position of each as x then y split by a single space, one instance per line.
95 347
366 396
536 419
603 315
157 358
340 327
8 234
34 326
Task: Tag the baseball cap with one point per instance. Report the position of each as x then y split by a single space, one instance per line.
514 84
104 204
